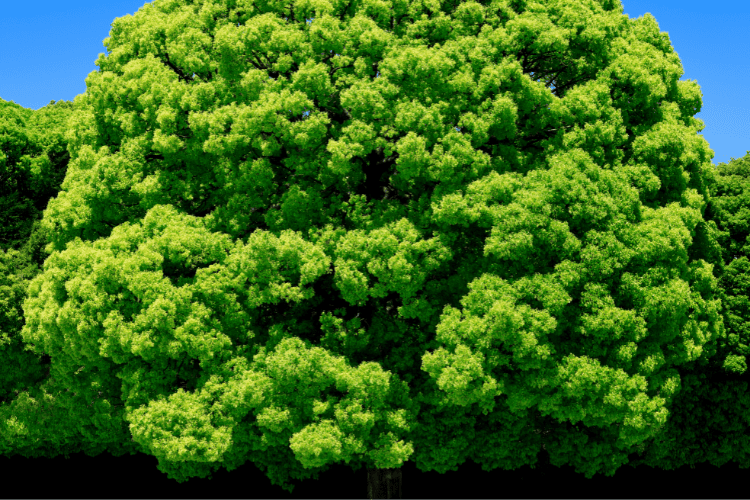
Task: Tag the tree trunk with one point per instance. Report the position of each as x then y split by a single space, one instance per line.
383 483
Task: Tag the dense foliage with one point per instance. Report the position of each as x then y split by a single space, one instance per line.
33 162
315 232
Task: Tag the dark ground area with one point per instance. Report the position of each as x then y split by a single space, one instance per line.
136 476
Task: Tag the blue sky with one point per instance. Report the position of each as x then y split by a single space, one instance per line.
49 47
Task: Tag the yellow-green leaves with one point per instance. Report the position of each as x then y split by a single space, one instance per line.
387 254
311 233
179 430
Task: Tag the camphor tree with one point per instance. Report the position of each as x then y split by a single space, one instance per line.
371 232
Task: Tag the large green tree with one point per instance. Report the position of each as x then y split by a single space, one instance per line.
312 232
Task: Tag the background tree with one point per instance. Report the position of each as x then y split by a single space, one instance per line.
231 278
730 208
33 163
32 166
708 422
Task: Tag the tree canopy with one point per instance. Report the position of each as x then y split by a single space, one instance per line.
313 232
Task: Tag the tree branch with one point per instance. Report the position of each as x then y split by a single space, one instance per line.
177 70
566 86
536 60
153 156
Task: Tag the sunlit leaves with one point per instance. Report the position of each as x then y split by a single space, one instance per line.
404 232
